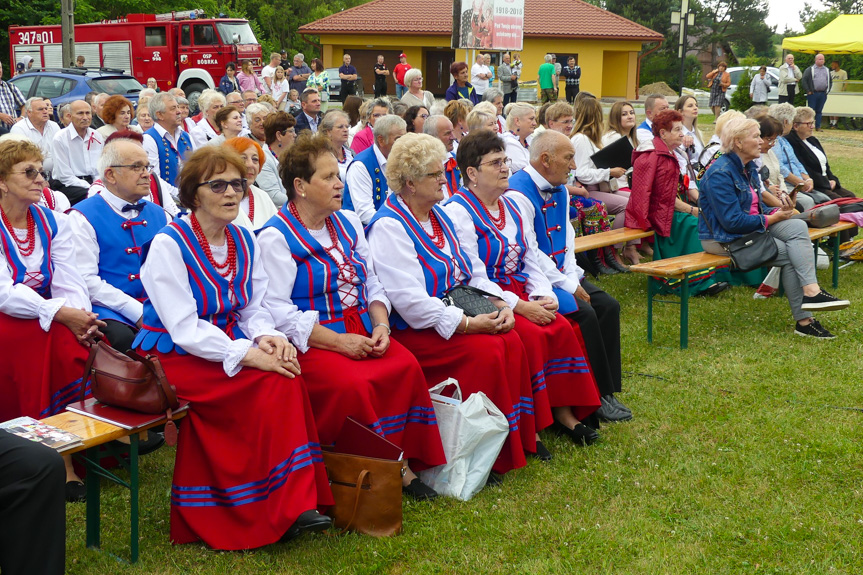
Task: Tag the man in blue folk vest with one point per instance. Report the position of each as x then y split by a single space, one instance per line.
109 230
441 128
166 143
365 184
544 200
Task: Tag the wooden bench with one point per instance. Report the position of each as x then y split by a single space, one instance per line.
610 238
681 268
94 434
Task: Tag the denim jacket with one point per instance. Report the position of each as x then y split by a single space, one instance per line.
725 198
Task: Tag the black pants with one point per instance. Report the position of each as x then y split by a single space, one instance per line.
74 193
347 89
380 89
571 93
792 91
32 508
119 334
599 321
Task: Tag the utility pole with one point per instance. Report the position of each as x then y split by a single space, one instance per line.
67 31
684 18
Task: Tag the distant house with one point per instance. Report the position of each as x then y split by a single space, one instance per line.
605 45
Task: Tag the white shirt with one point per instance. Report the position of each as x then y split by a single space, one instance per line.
75 156
609 138
537 284
264 210
87 260
519 155
343 166
169 205
152 149
586 171
280 88
822 159
166 281
402 277
570 278
67 287
645 137
359 182
202 133
479 84
280 267
43 139
267 72
269 180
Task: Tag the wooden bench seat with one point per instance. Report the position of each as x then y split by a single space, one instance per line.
610 238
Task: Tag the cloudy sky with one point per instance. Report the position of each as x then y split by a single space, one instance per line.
785 13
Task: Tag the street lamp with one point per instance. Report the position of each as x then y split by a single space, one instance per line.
683 18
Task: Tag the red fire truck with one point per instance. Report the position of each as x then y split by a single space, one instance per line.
185 49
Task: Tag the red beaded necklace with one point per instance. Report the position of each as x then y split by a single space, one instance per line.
347 272
251 207
500 221
28 244
436 236
230 265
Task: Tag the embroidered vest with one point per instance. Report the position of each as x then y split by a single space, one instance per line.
169 157
379 181
46 227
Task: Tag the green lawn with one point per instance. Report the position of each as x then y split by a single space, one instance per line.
743 457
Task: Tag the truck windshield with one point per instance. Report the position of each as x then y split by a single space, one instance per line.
241 29
116 85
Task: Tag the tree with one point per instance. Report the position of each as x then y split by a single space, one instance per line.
737 26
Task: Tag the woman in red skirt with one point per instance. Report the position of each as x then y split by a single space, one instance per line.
249 469
493 233
324 295
46 322
417 258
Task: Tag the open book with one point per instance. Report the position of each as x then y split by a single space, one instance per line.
48 435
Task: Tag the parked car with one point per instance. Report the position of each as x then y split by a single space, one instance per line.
736 74
336 84
64 85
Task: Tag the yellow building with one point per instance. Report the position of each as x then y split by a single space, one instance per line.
606 46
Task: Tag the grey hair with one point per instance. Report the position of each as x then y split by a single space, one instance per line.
431 126
301 56
207 97
254 109
517 110
734 129
181 101
110 157
158 103
61 111
802 113
544 143
145 93
330 119
548 57
411 74
28 105
783 112
378 103
491 94
387 124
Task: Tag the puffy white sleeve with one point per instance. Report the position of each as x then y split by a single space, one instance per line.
586 171
275 256
18 300
466 233
402 277
375 289
67 281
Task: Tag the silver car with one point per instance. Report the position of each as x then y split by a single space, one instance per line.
736 74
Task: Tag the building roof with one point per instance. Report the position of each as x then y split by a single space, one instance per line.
543 18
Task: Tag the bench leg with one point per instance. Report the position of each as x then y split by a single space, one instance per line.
650 293
684 312
133 495
93 500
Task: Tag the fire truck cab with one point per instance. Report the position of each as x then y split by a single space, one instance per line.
184 49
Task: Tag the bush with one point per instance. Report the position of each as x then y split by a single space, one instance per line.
740 99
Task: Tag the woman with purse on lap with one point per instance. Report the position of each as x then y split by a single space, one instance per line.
249 470
499 243
325 297
418 260
732 208
46 321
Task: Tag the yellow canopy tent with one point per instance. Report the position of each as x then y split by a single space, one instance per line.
844 35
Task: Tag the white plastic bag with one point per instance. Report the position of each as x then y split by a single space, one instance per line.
473 432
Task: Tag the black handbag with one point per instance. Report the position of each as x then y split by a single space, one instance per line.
752 251
472 301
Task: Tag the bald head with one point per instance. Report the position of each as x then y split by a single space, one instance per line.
552 155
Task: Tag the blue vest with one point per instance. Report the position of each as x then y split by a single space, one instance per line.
120 243
379 181
46 227
169 157
210 290
644 126
316 286
549 222
492 244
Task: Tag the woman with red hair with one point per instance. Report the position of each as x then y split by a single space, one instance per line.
256 206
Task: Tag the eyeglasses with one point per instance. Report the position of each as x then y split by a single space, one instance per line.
219 186
498 164
435 175
424 116
33 173
139 168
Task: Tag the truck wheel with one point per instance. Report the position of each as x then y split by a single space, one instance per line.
193 92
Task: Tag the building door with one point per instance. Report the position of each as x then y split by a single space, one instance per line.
436 74
364 61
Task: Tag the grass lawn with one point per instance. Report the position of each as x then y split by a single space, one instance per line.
743 457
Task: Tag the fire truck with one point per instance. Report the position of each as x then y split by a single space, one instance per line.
185 49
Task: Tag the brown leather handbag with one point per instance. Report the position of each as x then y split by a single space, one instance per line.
132 382
367 493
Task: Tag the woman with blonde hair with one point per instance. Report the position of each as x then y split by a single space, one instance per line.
280 88
416 96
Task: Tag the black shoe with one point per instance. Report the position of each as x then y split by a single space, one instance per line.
494 480
76 492
308 522
580 434
542 452
419 490
812 329
153 442
715 289
824 302
616 403
610 412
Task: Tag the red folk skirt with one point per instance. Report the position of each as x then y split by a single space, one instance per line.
388 394
493 364
557 362
40 372
248 459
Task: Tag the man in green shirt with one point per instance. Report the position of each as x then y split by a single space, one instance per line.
547 81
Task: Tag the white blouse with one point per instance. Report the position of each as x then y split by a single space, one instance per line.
280 266
609 138
822 159
402 277
166 281
67 286
586 171
264 210
515 151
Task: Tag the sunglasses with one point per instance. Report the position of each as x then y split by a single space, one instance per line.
219 186
33 173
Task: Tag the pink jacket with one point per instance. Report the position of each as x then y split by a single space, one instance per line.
364 139
249 82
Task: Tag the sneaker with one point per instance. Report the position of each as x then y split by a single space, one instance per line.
824 302
764 291
813 329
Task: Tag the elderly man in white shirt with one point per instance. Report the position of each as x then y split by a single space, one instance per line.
166 143
37 127
480 74
77 148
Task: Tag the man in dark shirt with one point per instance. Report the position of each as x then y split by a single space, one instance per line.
381 73
298 74
348 76
572 73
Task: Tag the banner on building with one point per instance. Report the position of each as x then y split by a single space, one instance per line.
488 24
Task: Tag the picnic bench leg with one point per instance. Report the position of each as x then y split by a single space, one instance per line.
836 243
133 494
684 312
93 500
650 293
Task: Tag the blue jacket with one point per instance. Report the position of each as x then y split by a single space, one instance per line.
725 198
453 94
226 86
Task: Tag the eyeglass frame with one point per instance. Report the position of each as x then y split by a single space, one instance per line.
141 169
499 163
240 181
32 178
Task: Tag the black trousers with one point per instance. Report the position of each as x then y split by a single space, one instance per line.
119 334
380 89
32 508
599 321
571 93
